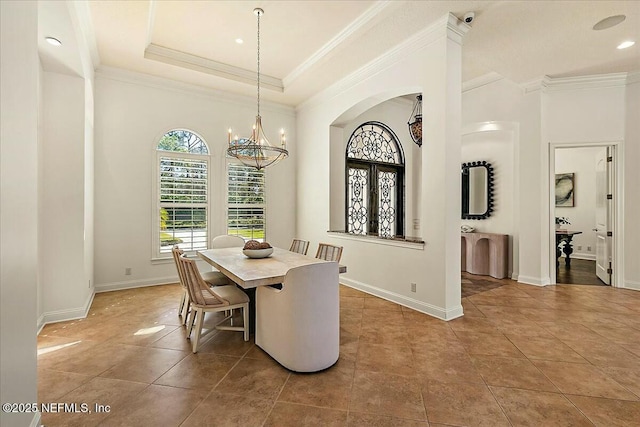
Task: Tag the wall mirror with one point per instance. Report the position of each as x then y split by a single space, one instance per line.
477 190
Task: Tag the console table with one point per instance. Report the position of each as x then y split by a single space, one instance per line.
485 254
566 237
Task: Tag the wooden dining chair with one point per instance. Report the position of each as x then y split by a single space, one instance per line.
212 300
329 252
211 278
299 246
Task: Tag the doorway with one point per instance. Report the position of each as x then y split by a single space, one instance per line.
583 195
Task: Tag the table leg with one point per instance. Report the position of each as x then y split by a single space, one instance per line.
568 250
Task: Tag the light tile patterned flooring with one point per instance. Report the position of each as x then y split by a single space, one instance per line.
521 356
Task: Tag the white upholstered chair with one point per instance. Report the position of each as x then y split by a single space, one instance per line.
205 299
227 241
211 278
329 252
299 246
309 296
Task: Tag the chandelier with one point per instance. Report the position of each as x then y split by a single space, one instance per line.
256 151
415 122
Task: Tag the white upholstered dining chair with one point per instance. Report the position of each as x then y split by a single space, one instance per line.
205 299
309 300
227 241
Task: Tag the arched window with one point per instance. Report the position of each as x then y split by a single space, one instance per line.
374 181
183 192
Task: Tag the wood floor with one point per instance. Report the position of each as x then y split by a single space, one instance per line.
582 272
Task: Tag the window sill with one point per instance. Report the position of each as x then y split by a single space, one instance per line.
398 241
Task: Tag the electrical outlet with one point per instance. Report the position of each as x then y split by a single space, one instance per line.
588 248
127 271
579 247
413 287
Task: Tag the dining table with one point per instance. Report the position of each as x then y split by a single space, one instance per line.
297 325
250 272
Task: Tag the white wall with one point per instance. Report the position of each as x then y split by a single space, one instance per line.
501 122
593 111
631 181
498 148
430 64
19 69
132 113
63 218
582 163
395 114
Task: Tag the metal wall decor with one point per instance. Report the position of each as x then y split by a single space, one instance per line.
477 190
387 181
358 181
374 181
415 122
374 141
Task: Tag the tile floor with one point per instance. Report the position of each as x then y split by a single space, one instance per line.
521 356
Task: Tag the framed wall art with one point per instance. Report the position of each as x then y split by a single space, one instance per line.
564 189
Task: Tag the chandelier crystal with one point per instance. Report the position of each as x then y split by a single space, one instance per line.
415 122
256 151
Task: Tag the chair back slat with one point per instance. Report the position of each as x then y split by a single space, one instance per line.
177 253
195 284
329 252
299 246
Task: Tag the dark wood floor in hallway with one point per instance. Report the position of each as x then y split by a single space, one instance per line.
581 272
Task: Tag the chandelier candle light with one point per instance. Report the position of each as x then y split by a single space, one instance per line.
257 151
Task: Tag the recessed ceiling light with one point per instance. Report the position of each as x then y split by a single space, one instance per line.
626 44
239 41
53 41
609 22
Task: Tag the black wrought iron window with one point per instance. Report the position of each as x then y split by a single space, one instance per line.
374 181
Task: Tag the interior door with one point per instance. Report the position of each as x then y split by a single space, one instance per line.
603 214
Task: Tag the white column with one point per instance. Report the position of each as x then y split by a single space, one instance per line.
440 190
19 68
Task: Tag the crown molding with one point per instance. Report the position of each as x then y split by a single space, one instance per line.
483 80
209 66
403 50
350 30
599 81
133 77
633 78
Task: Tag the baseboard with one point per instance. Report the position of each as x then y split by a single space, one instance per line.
64 315
588 257
40 324
537 281
131 284
405 301
630 284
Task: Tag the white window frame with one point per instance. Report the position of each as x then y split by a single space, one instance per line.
262 206
157 254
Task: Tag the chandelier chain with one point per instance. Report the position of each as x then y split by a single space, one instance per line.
259 13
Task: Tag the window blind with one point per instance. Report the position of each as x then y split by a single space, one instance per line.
183 203
246 202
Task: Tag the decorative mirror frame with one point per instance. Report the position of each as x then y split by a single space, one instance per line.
465 189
